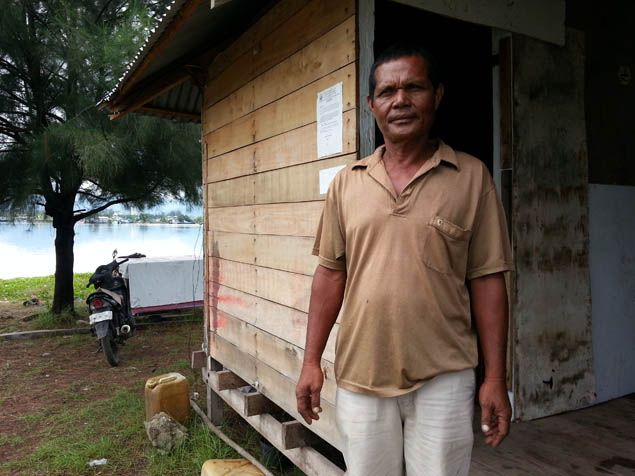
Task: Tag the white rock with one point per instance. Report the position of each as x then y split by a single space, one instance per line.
165 433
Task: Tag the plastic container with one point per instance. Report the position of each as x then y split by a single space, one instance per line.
169 393
229 467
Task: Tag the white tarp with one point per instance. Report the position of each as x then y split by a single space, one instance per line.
164 283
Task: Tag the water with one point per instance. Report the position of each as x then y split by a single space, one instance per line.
28 249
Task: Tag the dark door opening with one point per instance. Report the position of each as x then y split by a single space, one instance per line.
463 50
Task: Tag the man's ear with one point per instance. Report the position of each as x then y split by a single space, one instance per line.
438 95
369 102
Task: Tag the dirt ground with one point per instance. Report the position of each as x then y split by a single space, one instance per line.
16 317
47 376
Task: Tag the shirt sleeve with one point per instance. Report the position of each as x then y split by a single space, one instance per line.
330 244
489 249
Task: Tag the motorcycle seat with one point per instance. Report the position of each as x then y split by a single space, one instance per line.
117 297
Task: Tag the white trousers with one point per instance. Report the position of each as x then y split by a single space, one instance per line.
428 430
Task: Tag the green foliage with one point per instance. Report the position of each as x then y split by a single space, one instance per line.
22 289
57 59
57 149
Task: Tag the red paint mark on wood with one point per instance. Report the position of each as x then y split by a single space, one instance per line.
229 299
221 320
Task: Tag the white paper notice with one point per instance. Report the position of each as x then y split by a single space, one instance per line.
329 121
327 176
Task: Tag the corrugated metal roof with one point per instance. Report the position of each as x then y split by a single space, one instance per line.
188 26
162 23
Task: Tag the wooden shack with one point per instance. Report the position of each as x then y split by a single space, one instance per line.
251 73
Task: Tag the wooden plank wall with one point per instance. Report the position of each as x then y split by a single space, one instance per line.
263 199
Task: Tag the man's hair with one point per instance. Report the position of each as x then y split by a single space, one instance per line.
401 50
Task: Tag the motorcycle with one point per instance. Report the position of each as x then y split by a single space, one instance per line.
110 317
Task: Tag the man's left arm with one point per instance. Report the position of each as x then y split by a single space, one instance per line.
489 307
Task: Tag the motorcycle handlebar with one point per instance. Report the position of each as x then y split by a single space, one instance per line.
134 256
113 265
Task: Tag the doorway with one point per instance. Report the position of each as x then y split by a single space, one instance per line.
463 50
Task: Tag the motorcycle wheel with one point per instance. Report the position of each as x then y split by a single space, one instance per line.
110 348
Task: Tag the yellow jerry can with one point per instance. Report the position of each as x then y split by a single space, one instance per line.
169 393
229 467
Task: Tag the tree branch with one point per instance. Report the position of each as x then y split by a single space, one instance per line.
96 184
103 10
118 201
17 99
10 127
81 216
12 68
92 195
55 116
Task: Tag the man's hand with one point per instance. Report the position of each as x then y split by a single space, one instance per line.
307 392
495 411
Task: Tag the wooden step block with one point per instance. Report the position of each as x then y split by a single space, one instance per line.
295 435
257 404
227 380
229 467
199 359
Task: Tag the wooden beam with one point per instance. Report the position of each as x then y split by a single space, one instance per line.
153 86
295 435
541 19
257 404
306 458
227 380
366 55
199 359
217 3
279 388
190 66
186 116
215 404
235 446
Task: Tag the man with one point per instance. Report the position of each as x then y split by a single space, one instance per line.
412 242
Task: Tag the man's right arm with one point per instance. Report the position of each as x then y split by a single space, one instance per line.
327 294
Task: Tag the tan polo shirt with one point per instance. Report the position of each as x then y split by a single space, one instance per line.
406 310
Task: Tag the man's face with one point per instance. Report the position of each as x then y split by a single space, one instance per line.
405 102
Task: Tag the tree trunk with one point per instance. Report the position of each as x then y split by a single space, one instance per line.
63 299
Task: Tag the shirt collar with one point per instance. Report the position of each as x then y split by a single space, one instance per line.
444 153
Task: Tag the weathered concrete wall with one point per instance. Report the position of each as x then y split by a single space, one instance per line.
612 255
552 305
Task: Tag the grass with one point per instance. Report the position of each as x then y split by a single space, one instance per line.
101 419
42 287
99 416
10 440
112 428
18 290
189 458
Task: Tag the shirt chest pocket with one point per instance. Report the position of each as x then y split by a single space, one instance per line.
446 247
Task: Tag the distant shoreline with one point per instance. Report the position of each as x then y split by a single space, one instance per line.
49 222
